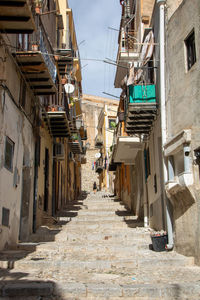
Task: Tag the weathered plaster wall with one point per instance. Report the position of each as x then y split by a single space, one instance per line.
19 130
46 142
172 6
155 180
183 97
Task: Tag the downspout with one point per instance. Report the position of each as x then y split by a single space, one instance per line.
146 218
161 4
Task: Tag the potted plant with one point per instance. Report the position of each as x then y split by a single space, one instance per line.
34 46
75 137
113 125
38 6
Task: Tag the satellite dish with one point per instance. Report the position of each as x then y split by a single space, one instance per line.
69 88
98 155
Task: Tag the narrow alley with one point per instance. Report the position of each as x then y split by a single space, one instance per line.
95 251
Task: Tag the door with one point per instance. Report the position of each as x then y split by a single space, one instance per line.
46 179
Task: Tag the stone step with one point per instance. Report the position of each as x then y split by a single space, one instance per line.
100 218
108 239
93 232
72 290
40 263
134 291
116 223
93 250
20 288
96 212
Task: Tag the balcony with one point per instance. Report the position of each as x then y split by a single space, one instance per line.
64 59
126 149
83 133
141 109
16 17
99 141
57 123
83 160
99 165
75 143
128 51
37 63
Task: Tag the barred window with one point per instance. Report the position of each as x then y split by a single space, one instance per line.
191 50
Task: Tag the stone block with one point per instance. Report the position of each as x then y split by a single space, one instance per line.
105 290
26 288
71 289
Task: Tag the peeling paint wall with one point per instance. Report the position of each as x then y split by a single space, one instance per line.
17 128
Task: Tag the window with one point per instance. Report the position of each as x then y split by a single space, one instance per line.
48 5
9 153
23 41
5 217
22 97
191 50
147 163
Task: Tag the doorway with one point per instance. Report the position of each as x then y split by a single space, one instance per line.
46 180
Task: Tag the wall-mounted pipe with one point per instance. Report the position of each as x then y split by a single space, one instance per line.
161 4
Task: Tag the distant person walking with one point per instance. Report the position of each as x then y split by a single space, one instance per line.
94 187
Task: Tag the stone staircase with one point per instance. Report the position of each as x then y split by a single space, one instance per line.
96 251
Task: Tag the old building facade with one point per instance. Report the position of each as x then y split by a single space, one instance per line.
159 180
42 130
99 115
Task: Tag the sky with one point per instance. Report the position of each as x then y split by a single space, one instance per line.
92 19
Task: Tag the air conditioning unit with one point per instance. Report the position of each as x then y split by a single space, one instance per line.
59 151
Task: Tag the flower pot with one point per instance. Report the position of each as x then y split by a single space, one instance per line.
37 10
34 47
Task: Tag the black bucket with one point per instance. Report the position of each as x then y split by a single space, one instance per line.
159 242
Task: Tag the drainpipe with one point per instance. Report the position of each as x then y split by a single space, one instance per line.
161 4
146 218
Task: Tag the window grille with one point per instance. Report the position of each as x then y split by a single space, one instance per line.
191 50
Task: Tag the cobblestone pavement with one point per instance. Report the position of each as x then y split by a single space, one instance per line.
96 251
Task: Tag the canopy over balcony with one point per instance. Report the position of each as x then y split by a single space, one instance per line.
16 17
141 109
38 70
57 123
126 149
